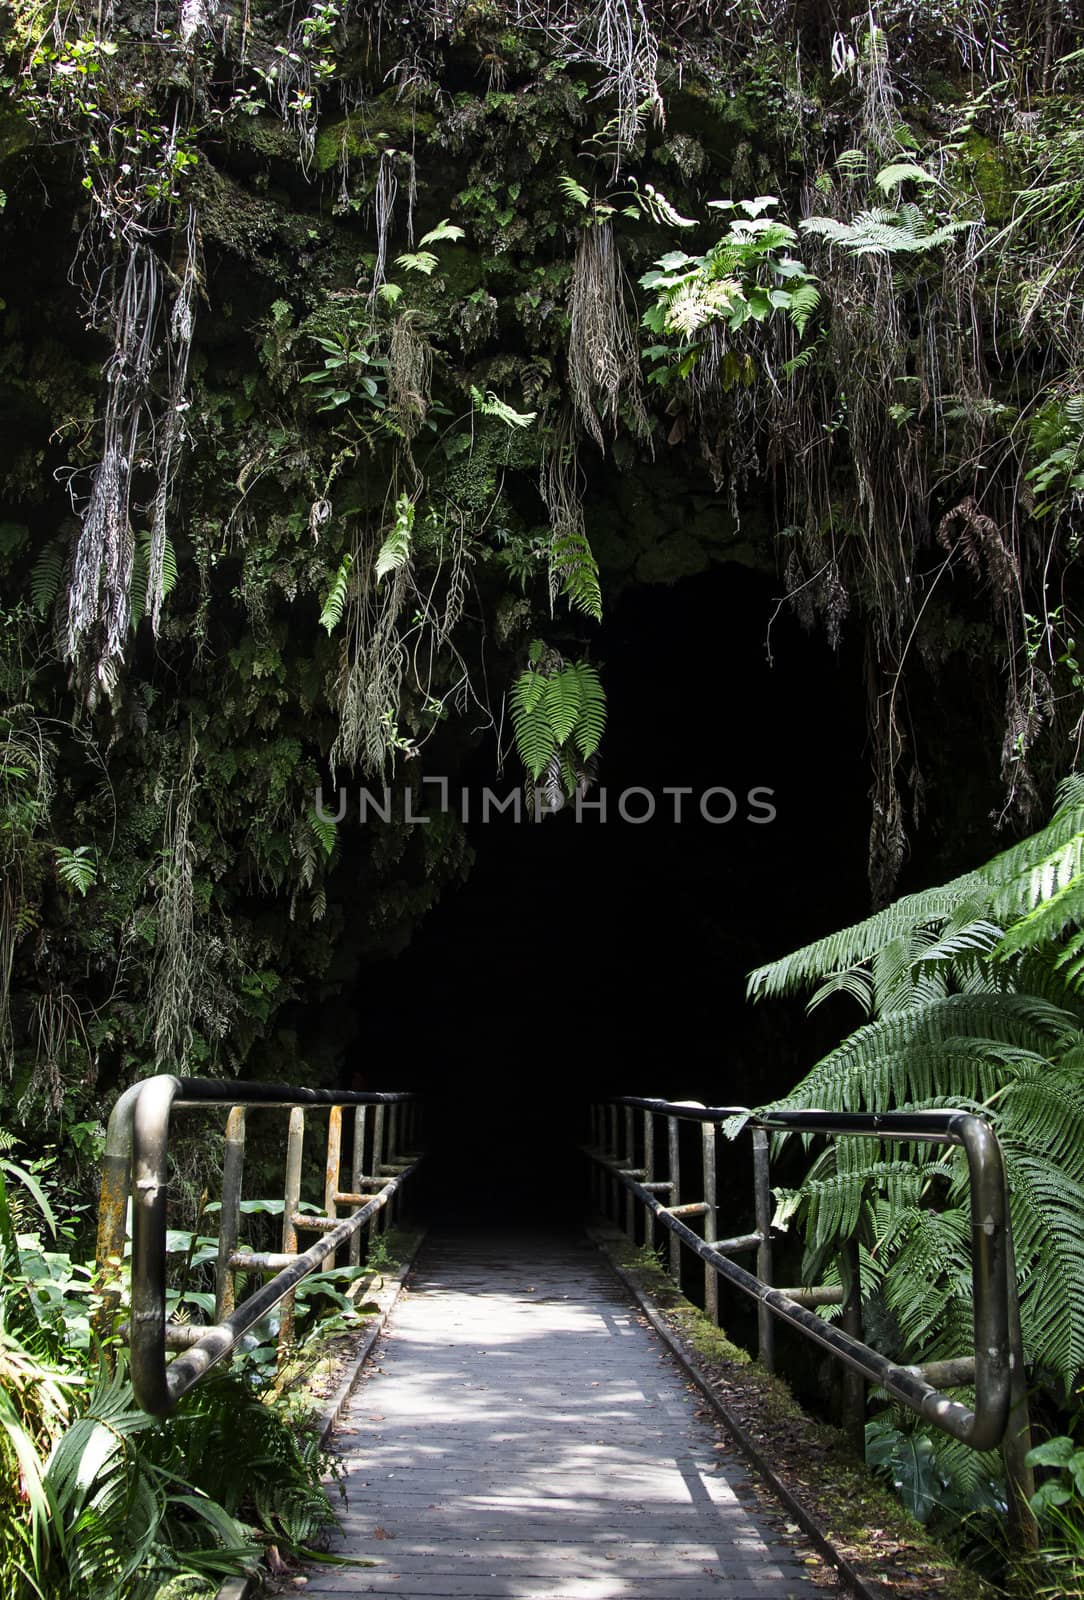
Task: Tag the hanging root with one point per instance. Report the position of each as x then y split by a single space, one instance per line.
603 353
171 429
99 605
374 661
173 979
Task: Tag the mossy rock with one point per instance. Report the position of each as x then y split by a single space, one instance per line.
384 124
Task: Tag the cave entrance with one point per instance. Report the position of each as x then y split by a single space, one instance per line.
609 956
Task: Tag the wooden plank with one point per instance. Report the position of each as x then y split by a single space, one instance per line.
523 1435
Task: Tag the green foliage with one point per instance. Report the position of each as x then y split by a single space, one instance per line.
887 231
573 562
745 279
558 707
99 1501
1058 1503
1057 444
141 568
78 868
974 1005
334 605
491 405
394 553
46 577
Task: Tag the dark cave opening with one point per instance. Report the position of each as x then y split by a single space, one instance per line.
586 957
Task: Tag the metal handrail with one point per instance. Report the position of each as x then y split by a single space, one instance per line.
998 1377
135 1165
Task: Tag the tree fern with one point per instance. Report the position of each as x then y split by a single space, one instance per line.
852 946
974 988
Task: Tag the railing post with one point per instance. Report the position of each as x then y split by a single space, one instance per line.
333 1168
762 1201
854 1385
380 1221
357 1174
612 1185
1019 1477
116 1187
711 1221
393 1156
295 1148
673 1140
229 1218
598 1177
630 1161
649 1165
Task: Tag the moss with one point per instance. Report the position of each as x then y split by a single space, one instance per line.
990 175
16 135
269 136
386 123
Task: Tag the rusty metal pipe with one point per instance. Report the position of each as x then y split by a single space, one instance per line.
981 1428
229 1218
165 1385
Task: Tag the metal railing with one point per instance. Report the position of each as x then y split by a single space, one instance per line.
135 1166
627 1155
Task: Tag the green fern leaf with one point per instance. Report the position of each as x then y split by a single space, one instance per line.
443 231
534 737
335 604
45 577
395 551
562 702
804 300
591 720
573 562
573 191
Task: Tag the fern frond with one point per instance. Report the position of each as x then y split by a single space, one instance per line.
444 230
1047 921
591 720
423 261
913 1057
562 701
491 405
573 563
530 722
45 577
854 945
804 300
573 191
395 551
1046 1207
335 603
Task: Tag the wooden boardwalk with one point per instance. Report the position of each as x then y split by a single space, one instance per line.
521 1434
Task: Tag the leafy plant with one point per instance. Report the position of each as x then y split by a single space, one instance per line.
558 716
976 991
394 553
747 277
491 405
334 605
352 370
1058 1503
78 868
977 1002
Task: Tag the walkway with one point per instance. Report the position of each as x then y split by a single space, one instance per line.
521 1434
